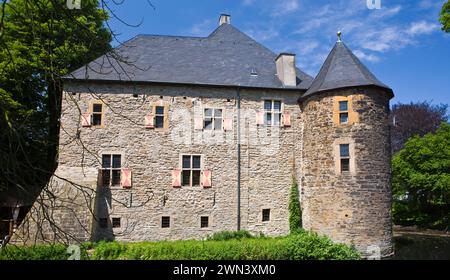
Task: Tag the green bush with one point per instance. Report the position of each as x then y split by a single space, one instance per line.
300 246
38 252
41 252
227 235
295 212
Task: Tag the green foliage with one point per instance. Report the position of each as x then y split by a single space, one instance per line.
300 246
40 41
421 181
38 252
445 17
227 235
295 212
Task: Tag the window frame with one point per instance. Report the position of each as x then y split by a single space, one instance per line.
341 112
113 219
165 114
111 169
162 223
207 222
272 112
102 113
213 118
346 158
191 169
263 211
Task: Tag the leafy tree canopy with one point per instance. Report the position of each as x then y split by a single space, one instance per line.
40 41
421 180
445 17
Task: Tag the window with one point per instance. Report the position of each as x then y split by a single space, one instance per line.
266 215
103 222
159 116
97 114
191 170
272 112
116 222
111 165
343 112
204 222
165 222
344 150
212 119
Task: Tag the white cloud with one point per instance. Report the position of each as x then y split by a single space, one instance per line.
368 57
260 34
203 28
386 12
422 27
284 7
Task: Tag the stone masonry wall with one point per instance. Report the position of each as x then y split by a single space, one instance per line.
350 208
267 161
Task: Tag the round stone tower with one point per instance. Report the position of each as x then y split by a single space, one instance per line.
346 175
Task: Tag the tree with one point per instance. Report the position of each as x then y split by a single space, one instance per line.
295 212
421 180
445 17
40 42
415 119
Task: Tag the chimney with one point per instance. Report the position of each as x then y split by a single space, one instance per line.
224 19
286 72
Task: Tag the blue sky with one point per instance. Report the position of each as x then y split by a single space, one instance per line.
401 43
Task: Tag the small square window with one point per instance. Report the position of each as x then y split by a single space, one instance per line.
186 161
96 119
106 161
344 150
97 108
186 177
117 160
115 177
204 222
116 222
343 105
103 222
165 222
196 178
159 110
345 164
343 118
266 215
159 121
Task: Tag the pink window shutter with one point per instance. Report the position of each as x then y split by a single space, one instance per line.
287 119
260 118
228 124
125 178
86 120
198 123
176 178
206 178
150 121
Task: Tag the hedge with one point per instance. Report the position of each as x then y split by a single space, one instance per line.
299 246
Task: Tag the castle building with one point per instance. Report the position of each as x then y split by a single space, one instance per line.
189 136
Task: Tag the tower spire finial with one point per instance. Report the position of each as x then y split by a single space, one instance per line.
339 33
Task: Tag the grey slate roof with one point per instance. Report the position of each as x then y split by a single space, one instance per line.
343 69
226 57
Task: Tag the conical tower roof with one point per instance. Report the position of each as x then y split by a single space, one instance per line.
342 69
